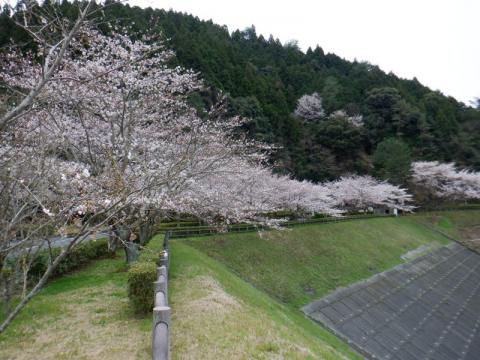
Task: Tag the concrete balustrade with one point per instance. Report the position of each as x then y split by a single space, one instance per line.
161 333
161 311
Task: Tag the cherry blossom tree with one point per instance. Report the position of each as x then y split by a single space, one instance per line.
245 192
361 192
37 193
309 107
255 190
26 194
51 36
113 135
355 120
442 181
118 111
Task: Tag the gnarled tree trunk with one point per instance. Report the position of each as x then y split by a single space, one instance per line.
131 251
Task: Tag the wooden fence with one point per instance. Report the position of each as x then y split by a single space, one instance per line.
161 310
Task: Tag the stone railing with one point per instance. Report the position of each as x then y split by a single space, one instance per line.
161 310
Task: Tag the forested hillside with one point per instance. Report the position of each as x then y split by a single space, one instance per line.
264 80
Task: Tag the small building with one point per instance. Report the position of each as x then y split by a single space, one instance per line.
381 210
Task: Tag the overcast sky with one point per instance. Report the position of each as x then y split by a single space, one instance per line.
438 41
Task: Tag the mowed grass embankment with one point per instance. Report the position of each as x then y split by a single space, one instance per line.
306 262
463 226
217 315
83 315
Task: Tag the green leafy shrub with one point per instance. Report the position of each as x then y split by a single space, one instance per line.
80 256
141 277
143 274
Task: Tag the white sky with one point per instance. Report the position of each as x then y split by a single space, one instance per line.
438 41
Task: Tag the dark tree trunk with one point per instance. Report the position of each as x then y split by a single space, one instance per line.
131 251
145 231
123 236
123 233
6 283
113 242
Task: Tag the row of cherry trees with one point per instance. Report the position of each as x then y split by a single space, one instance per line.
430 181
111 133
434 181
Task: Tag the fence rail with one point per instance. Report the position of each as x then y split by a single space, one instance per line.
205 230
181 232
161 310
449 208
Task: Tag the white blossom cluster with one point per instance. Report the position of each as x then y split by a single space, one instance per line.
354 120
443 180
362 192
253 191
310 107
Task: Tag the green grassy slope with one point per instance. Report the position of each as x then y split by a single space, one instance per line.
83 315
299 265
216 311
463 226
217 315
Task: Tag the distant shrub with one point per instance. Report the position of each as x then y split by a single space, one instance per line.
80 256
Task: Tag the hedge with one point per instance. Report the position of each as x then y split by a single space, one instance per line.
141 277
78 257
143 274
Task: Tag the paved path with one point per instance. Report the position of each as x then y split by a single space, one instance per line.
428 308
60 241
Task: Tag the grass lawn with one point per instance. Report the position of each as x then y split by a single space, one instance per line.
301 264
83 315
463 226
217 315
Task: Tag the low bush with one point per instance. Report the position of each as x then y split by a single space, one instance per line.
143 274
141 277
80 256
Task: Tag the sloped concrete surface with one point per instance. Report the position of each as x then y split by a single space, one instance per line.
428 308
